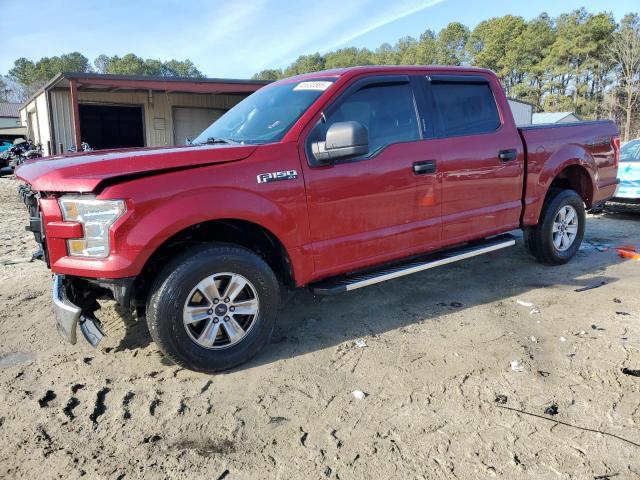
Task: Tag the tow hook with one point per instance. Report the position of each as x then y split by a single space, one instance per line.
91 330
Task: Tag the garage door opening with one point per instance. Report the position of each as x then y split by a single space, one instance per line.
109 126
191 122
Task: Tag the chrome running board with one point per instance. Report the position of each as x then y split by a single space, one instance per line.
347 284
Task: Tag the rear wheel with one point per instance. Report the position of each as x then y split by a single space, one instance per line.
558 235
213 308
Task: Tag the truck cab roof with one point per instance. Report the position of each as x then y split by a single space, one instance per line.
386 69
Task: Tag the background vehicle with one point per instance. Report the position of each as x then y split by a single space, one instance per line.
19 151
5 145
629 173
334 180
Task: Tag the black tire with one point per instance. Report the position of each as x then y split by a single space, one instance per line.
539 239
174 284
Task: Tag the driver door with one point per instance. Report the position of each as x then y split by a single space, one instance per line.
383 205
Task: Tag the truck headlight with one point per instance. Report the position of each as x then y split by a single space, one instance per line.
96 217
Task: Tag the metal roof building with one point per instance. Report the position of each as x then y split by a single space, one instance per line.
10 125
114 111
555 117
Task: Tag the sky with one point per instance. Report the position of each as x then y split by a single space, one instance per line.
235 39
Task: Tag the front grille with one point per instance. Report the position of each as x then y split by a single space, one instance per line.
36 224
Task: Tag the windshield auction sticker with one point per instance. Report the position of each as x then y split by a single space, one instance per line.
317 85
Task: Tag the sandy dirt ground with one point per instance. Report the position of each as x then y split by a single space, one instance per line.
443 398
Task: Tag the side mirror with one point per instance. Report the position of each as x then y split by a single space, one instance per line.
344 140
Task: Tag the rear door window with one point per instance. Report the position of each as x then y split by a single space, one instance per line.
465 108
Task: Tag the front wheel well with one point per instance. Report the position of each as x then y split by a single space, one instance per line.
231 231
575 177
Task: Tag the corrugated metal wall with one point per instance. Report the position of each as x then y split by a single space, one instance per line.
157 110
35 116
42 109
522 112
62 119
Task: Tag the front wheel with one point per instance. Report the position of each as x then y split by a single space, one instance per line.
559 232
213 308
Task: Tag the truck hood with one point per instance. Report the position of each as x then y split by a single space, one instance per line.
83 172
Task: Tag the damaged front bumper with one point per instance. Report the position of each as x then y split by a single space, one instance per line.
66 313
74 302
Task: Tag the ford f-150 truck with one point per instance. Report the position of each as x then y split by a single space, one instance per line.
334 180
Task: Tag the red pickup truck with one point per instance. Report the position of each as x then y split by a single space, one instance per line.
333 180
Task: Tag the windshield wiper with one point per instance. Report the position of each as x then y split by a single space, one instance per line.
211 141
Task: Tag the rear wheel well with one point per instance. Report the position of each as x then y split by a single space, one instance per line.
231 231
576 178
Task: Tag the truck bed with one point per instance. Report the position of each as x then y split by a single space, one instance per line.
589 144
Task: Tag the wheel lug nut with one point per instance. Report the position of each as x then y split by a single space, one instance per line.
216 301
227 300
226 319
216 319
209 312
232 309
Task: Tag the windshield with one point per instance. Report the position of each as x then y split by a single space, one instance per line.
630 152
266 115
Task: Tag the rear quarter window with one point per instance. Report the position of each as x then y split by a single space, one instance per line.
465 109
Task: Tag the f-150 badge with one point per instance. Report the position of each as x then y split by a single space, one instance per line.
277 176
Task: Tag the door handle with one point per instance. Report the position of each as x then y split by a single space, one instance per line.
424 167
507 155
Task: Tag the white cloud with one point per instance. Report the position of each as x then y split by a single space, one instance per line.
337 23
259 34
390 17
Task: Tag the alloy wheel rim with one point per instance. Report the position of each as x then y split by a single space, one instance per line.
565 228
220 310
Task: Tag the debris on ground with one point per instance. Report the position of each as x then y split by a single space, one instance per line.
278 420
601 247
533 339
360 343
595 327
624 314
551 409
616 300
633 373
516 366
501 399
451 304
524 304
543 374
534 311
591 287
606 476
359 394
628 251
563 339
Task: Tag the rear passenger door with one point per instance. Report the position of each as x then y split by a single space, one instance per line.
481 156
